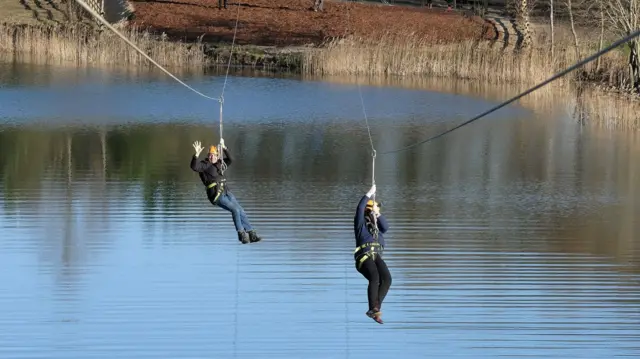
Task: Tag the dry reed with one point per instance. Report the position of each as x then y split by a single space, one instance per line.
610 110
83 45
478 60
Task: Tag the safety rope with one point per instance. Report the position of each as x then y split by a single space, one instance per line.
549 80
373 159
106 23
373 149
224 85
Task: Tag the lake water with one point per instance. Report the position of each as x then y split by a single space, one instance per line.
515 236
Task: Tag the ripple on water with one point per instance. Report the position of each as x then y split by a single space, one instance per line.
505 240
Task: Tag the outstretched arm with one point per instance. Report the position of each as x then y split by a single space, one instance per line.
359 218
360 211
197 165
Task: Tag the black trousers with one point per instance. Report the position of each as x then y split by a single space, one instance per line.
377 273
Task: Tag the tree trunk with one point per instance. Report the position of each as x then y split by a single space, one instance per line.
552 31
522 20
634 64
599 61
573 30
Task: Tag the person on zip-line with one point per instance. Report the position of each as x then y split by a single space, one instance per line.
210 171
369 227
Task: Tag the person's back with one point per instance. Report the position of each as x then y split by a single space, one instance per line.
362 233
369 229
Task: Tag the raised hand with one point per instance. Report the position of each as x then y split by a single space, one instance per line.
198 147
372 191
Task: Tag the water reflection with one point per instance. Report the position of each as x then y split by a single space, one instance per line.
514 236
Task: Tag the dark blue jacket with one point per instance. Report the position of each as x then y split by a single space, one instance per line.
360 227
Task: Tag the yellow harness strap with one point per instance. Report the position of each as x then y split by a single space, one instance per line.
219 192
371 254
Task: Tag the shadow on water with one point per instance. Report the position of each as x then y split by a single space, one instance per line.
514 236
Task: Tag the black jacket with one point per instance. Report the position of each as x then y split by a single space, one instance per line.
210 172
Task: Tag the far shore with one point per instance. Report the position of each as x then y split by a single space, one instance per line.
474 51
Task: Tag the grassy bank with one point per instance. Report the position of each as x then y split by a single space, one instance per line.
84 45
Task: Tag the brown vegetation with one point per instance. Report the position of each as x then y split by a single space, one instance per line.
292 22
82 45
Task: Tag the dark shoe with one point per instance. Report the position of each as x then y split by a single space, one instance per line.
253 237
376 315
243 237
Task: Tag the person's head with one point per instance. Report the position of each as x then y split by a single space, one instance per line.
372 207
213 154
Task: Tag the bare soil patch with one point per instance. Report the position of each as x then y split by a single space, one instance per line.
294 23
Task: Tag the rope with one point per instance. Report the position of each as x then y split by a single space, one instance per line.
224 85
373 156
106 23
373 150
553 78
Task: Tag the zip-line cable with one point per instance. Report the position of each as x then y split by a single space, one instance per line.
553 78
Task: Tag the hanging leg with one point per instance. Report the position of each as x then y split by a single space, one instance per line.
369 270
253 236
232 206
385 280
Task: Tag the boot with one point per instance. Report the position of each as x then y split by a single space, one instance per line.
243 237
376 315
253 237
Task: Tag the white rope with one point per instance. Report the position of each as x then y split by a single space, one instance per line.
373 153
373 150
224 85
102 20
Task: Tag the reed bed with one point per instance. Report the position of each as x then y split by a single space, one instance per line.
609 110
477 60
84 45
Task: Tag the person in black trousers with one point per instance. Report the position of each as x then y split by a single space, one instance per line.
369 229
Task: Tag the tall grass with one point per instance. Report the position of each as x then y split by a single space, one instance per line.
84 45
478 60
609 110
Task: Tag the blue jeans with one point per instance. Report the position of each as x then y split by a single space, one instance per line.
229 202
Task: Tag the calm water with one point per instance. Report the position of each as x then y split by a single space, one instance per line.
516 236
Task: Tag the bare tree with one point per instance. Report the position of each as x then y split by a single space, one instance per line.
552 30
600 4
522 19
624 18
570 11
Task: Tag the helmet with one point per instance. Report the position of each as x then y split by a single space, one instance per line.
213 149
370 204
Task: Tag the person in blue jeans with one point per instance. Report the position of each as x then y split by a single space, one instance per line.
211 175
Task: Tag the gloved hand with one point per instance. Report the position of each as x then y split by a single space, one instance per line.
198 147
372 191
222 143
